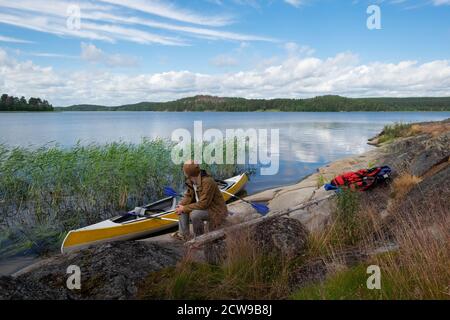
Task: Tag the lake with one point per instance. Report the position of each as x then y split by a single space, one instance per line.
308 140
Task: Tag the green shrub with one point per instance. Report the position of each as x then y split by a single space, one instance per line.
347 284
346 218
396 130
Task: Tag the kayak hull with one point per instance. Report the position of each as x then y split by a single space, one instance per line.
137 227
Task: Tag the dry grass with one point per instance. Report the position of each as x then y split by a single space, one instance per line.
402 185
434 129
420 269
412 251
245 273
397 130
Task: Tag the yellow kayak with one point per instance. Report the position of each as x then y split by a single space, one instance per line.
159 216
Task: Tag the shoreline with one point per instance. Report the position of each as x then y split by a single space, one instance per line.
219 111
310 188
241 212
287 196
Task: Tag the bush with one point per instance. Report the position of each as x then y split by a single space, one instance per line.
346 218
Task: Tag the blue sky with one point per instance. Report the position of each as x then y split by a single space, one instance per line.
135 50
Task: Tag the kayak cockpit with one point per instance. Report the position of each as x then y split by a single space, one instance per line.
161 206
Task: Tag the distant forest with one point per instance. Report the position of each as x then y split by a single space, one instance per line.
317 104
10 103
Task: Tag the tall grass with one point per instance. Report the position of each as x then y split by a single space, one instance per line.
412 253
245 273
347 284
420 269
416 267
47 191
396 130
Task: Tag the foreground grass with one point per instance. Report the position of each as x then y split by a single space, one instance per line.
245 273
416 267
344 285
419 266
405 274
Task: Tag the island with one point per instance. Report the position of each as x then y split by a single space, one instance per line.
11 103
328 103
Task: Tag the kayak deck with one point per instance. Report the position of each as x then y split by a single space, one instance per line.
129 227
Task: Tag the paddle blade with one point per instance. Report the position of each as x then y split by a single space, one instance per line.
168 191
260 208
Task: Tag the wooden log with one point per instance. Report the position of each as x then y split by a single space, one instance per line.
221 233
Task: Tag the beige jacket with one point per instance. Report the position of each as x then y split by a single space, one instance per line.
209 198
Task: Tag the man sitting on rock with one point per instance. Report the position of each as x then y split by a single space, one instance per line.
202 202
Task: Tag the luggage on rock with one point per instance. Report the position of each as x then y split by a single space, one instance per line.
363 179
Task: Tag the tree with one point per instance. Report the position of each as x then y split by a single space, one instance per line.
11 103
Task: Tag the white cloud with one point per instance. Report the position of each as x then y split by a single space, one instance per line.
293 49
192 31
111 21
251 3
165 10
441 2
224 60
51 55
13 40
91 53
294 76
418 4
94 31
295 3
233 58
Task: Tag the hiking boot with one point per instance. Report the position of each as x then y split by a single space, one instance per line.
177 235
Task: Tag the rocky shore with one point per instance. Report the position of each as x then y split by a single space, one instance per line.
115 271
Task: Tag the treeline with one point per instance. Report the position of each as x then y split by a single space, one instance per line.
317 104
11 103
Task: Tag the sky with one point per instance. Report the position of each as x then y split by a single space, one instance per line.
113 52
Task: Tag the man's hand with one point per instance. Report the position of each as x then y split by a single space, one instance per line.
179 209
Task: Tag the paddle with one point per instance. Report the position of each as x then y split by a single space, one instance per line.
260 208
132 213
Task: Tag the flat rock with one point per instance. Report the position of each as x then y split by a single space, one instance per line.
263 196
240 211
291 199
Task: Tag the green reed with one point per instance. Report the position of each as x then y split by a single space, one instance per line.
46 191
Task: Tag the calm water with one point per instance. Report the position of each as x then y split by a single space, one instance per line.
307 140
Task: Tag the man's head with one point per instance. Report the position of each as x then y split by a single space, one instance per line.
191 169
